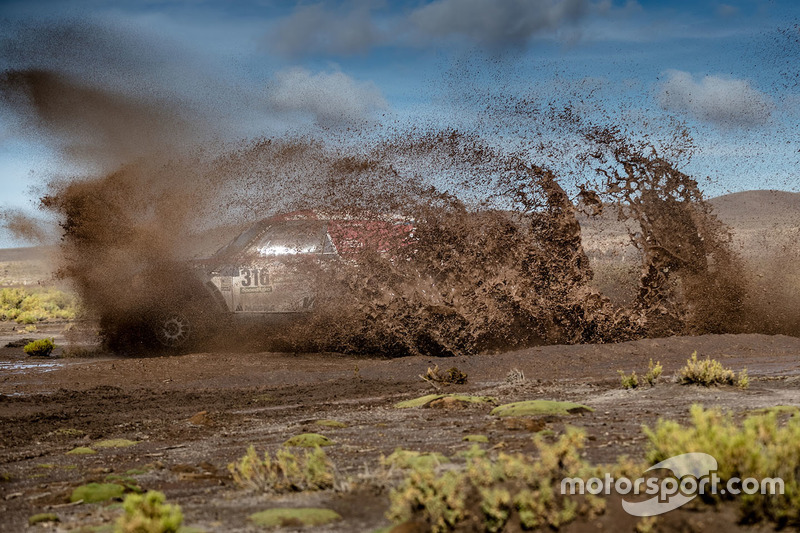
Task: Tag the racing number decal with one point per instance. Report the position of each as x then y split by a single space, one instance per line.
256 277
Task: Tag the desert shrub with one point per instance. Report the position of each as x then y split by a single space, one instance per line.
629 381
653 372
286 472
147 513
760 447
744 380
708 372
40 348
512 491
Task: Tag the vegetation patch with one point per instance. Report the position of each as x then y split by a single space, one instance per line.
757 448
40 348
97 492
286 472
654 372
330 423
115 443
422 401
708 372
71 433
28 306
512 492
540 407
294 517
401 458
81 450
631 381
148 513
476 438
309 440
43 517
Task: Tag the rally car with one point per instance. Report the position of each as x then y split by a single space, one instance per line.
266 272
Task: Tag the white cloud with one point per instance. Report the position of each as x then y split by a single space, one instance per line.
723 101
331 98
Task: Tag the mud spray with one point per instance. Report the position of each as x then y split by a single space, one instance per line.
497 258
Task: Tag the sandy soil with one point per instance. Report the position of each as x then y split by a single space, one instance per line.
264 398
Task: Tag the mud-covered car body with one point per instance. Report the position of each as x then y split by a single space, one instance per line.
269 270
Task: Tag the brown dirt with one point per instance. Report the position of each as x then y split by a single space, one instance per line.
264 398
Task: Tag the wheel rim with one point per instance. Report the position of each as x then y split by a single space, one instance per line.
173 330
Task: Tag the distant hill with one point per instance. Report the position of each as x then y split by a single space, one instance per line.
747 209
30 265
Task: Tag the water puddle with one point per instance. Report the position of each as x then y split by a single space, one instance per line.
22 367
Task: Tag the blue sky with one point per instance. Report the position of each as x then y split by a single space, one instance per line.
728 69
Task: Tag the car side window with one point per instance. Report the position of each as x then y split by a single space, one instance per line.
292 238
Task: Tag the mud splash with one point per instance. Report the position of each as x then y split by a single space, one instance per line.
497 259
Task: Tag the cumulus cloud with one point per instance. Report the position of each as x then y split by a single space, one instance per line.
331 98
496 23
314 29
722 101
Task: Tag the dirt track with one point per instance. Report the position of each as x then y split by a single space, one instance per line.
264 398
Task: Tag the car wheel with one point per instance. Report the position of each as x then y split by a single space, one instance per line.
173 329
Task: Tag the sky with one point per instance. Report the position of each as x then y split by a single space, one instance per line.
728 70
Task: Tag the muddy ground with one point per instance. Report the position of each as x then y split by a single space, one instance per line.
265 398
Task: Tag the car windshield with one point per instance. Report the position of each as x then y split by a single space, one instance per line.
239 243
293 237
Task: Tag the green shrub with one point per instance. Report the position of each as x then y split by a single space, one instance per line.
147 513
629 381
513 491
708 372
744 380
286 472
759 447
653 372
40 348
